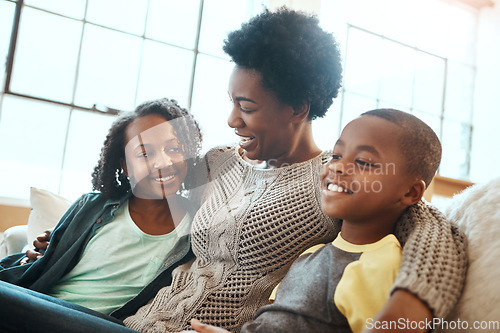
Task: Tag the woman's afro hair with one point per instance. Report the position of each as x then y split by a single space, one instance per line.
298 60
108 176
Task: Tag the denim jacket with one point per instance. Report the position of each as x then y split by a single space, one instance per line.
67 242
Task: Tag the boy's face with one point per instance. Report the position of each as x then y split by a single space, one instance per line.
366 176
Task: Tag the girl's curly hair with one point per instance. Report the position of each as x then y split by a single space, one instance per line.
298 60
108 176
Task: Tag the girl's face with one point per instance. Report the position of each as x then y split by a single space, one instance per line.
262 122
154 158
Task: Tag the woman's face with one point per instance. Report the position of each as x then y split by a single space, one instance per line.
263 123
154 158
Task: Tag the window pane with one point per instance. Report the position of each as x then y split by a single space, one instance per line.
397 70
125 15
461 39
211 104
354 105
326 130
108 68
82 151
73 8
429 84
32 134
46 55
6 17
456 145
173 21
459 92
362 65
165 72
432 35
217 23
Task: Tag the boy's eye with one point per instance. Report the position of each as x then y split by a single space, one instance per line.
365 164
361 162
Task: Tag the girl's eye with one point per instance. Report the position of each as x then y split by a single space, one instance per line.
335 157
173 149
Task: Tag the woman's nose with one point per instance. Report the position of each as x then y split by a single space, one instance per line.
234 120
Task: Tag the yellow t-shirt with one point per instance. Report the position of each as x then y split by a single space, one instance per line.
365 284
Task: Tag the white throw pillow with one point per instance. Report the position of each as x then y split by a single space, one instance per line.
47 209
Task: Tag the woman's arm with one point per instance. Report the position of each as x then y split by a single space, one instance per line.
434 262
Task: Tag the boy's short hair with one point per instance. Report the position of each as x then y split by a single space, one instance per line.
419 144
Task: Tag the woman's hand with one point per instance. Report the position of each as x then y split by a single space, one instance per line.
198 326
40 243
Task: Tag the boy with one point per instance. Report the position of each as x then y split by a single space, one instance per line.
380 166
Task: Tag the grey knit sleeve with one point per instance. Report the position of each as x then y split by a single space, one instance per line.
434 262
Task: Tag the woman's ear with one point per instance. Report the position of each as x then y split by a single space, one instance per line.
123 164
300 113
415 193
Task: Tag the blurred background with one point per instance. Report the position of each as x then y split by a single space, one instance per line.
71 65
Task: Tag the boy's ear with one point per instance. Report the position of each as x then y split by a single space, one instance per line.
300 113
123 164
414 194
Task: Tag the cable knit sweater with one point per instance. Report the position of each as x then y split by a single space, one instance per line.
254 223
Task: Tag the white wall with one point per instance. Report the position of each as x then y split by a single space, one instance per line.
485 156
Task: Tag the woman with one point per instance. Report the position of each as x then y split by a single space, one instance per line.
262 208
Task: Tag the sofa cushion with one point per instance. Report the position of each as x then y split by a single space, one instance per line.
47 209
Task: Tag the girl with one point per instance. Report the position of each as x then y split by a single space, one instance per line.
114 268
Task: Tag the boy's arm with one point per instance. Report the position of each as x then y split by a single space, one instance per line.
404 310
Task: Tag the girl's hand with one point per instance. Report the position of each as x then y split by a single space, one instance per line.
40 243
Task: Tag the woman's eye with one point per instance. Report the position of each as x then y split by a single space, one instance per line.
335 157
246 110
